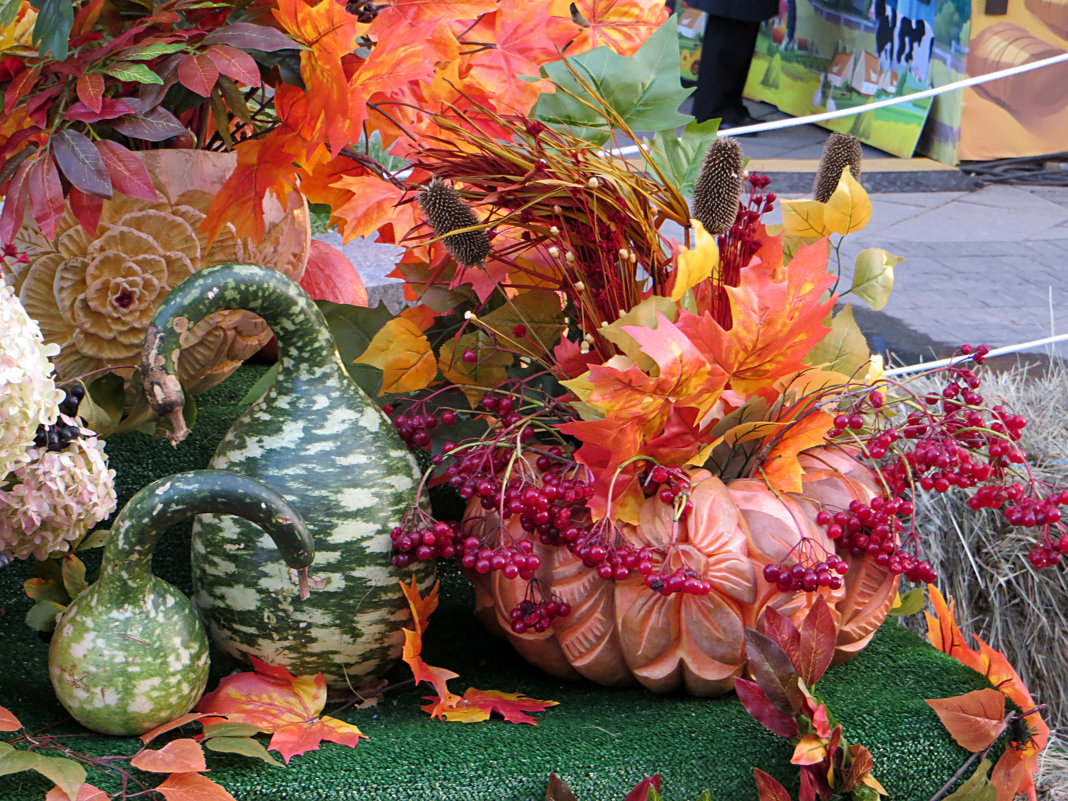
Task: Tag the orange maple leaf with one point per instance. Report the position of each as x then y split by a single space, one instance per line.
474 705
276 701
177 756
622 25
775 323
192 787
781 469
368 204
1014 772
86 792
409 13
974 719
170 725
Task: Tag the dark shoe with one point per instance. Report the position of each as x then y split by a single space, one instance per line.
732 121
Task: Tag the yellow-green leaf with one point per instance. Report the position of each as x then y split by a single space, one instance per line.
803 218
487 371
245 746
539 313
873 276
644 315
403 354
694 266
66 774
844 348
977 788
73 570
849 208
910 603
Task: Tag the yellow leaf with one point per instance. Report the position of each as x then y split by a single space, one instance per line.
803 218
694 266
403 354
873 276
810 750
849 208
844 348
873 783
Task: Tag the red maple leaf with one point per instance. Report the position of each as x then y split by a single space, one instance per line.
276 701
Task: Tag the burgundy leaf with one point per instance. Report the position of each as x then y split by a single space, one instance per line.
641 789
558 790
198 74
785 633
46 195
81 162
39 104
249 36
128 173
14 206
86 209
20 85
768 787
109 110
153 124
236 64
12 163
773 671
818 639
90 89
752 698
859 768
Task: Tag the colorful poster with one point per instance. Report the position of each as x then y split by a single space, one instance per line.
1027 114
822 55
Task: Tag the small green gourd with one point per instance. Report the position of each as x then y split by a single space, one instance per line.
318 439
130 653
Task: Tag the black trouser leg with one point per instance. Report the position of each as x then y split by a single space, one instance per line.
726 52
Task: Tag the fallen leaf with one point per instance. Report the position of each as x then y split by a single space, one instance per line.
8 722
177 756
558 790
181 720
478 705
974 719
86 792
192 787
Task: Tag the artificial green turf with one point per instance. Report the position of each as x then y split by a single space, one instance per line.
600 741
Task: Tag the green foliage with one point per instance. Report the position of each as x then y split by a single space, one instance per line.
679 157
642 91
52 29
353 328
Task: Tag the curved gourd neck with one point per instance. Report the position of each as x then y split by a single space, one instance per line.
127 560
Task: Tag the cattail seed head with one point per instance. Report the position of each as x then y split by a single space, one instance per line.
718 189
445 211
839 151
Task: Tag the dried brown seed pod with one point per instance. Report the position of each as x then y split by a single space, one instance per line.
446 211
718 190
839 151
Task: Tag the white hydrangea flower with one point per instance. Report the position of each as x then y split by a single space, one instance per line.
55 498
28 395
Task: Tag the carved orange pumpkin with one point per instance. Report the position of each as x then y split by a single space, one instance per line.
621 632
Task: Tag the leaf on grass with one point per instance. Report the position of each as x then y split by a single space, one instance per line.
245 746
276 701
86 792
170 725
810 750
192 787
974 719
66 774
860 766
558 790
768 788
8 721
818 637
403 354
978 786
645 790
758 706
873 276
177 756
478 705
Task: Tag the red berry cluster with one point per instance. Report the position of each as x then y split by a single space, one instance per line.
531 615
807 578
876 529
437 539
415 425
681 579
514 561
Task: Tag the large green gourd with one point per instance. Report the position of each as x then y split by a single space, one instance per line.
324 444
130 653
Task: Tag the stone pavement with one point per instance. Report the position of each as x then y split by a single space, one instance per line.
982 264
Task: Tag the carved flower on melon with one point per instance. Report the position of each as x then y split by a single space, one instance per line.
94 294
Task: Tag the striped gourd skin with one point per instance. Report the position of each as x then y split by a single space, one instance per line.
321 442
130 653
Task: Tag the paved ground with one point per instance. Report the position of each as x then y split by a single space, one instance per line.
982 264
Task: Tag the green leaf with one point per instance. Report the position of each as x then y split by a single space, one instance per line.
107 396
257 390
911 603
51 31
353 328
680 158
95 539
538 310
844 348
873 276
153 50
977 788
230 729
73 570
9 9
66 773
245 746
138 73
42 615
644 89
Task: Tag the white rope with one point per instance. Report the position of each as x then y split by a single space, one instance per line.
633 150
916 368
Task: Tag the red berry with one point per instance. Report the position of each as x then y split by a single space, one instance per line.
470 356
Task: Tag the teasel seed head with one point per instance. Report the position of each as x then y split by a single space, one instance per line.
446 211
718 189
839 151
